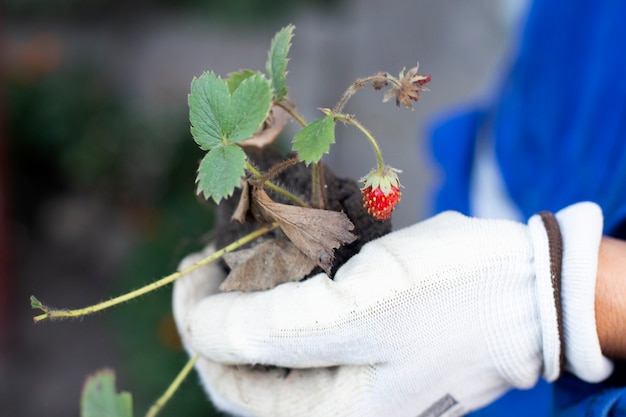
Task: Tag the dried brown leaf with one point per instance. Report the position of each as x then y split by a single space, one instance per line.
317 233
241 211
265 266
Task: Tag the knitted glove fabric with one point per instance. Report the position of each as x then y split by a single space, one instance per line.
436 319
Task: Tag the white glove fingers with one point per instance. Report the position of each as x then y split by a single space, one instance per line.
279 392
312 327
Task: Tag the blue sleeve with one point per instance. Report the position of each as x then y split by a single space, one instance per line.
560 120
452 147
558 126
574 398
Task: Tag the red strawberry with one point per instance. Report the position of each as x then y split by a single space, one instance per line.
381 192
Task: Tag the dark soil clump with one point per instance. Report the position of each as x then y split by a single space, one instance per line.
341 195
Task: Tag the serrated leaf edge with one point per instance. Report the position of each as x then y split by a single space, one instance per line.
285 31
229 138
217 126
297 139
216 197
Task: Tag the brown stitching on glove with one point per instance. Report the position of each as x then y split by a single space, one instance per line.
555 245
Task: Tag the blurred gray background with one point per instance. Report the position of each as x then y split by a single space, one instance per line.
97 164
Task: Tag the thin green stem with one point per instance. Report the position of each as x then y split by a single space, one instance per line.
367 134
289 109
163 399
53 314
275 187
253 170
317 194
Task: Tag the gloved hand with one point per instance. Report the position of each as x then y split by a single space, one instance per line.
435 319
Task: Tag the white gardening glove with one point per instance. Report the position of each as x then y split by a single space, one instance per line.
435 320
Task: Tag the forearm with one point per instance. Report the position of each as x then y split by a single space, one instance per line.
610 302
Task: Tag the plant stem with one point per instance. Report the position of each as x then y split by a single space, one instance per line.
317 193
163 399
316 186
367 134
289 109
381 77
317 196
54 314
275 187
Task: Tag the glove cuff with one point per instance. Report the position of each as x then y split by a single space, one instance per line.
581 228
566 262
548 251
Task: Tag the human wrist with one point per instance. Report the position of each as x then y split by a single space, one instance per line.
610 300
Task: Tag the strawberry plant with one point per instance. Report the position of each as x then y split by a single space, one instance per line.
288 208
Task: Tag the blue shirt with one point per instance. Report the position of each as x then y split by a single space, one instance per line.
558 125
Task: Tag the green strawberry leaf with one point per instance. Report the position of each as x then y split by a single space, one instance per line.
99 398
250 105
315 139
220 172
218 118
209 110
236 78
277 61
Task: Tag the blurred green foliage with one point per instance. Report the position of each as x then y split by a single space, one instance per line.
70 132
152 355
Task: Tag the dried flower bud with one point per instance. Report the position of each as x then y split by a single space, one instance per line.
408 87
